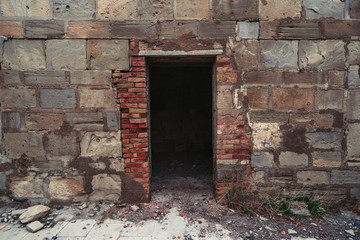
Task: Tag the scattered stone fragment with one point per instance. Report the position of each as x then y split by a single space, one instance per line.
292 232
33 213
350 232
91 214
300 208
134 208
34 226
18 212
263 218
83 206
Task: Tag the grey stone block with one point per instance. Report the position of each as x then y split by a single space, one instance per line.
345 177
66 54
10 77
29 144
354 76
323 8
354 52
57 98
46 77
279 54
353 104
44 28
17 98
85 120
112 120
91 77
2 181
58 145
353 137
262 159
154 10
248 30
11 120
127 30
80 9
291 159
330 99
313 177
38 8
325 140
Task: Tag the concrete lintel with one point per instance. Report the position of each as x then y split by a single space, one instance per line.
181 53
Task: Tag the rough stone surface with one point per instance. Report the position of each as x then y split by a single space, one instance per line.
293 98
89 77
10 77
353 104
320 54
247 54
354 9
2 181
312 120
88 29
23 55
291 159
23 188
235 10
355 193
345 177
33 213
79 9
57 98
354 52
17 98
258 97
29 144
270 9
62 145
34 226
354 76
117 165
38 8
313 177
44 28
171 30
216 30
85 120
66 54
325 140
248 30
112 120
43 121
330 99
326 159
157 10
224 97
97 98
108 54
129 30
106 187
191 9
64 189
262 159
323 8
96 144
12 120
266 135
11 29
122 10
45 77
353 137
268 117
336 78
279 54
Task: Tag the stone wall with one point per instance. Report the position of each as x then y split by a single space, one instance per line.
287 102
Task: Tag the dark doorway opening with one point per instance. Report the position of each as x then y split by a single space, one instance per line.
181 117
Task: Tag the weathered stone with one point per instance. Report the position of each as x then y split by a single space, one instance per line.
298 30
224 97
345 177
85 120
268 117
248 30
33 213
106 187
10 29
117 165
258 97
46 77
354 76
268 30
18 212
353 150
270 10
319 54
322 8
23 55
303 77
299 208
11 121
262 159
95 144
353 104
336 78
235 10
217 29
97 98
98 165
44 28
266 135
276 175
2 181
325 140
329 99
57 98
355 193
122 10
34 226
247 55
43 121
263 77
28 8
312 120
23 188
133 30
88 29
60 145
313 177
326 159
354 52
64 189
354 9
17 98
293 98
191 9
66 54
74 9
291 159
258 177
112 120
108 54
89 77
157 10
29 144
279 54
173 30
226 77
340 29
10 77
46 166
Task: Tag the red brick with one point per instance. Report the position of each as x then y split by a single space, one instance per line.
140 85
128 155
225 137
129 105
125 85
142 170
134 175
132 45
138 100
143 155
137 58
129 115
124 126
143 135
123 90
226 156
134 135
141 95
241 156
133 165
124 100
139 120
141 145
142 105
126 140
139 150
126 95
125 120
135 110
138 64
137 90
242 147
145 165
139 74
126 75
143 125
128 145
140 160
141 180
137 80
126 150
138 69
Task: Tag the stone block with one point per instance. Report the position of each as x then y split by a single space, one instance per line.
303 77
293 98
66 54
10 29
29 144
88 29
46 77
277 175
315 9
325 140
247 55
155 10
297 30
43 121
10 77
91 77
85 120
80 9
354 9
354 76
262 159
336 78
28 8
248 30
23 55
12 121
258 97
355 193
34 213
173 30
279 54
108 54
223 29
235 10
268 117
345 177
226 77
97 98
121 10
57 98
277 9
23 188
112 120
258 177
353 137
353 104
291 159
224 97
268 30
117 165
312 120
266 136
326 159
2 181
106 187
34 226
340 29
319 54
97 144
354 52
192 9
17 98
263 77
44 28
133 30
65 189
62 145
313 177
329 99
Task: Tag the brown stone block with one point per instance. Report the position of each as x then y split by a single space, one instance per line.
122 10
171 30
235 10
263 77
313 177
335 77
227 77
299 30
268 30
330 99
44 28
88 29
355 9
293 98
64 189
247 54
134 30
43 121
28 144
11 29
97 98
217 29
303 77
340 29
258 97
191 9
312 120
269 10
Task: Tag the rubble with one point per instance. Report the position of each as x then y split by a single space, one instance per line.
34 226
34 213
